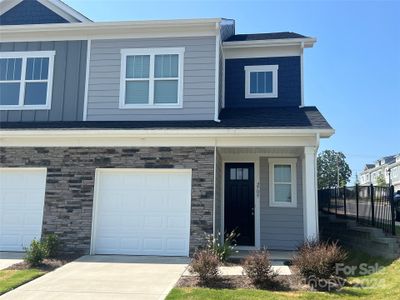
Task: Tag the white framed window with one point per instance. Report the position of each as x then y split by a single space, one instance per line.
151 78
282 182
261 81
26 80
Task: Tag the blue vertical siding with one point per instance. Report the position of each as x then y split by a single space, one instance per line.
289 82
68 82
30 12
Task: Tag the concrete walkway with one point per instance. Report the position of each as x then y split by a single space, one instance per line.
106 277
7 259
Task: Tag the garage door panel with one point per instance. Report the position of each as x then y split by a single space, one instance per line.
142 212
21 206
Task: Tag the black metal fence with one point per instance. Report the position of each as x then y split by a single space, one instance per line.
367 205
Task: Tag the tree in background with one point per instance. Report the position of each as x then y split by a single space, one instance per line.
380 180
331 165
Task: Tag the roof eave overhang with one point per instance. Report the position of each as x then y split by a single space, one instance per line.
109 30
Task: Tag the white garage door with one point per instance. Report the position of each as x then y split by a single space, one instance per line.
21 207
142 212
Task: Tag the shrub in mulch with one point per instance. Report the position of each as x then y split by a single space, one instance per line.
316 261
205 264
257 266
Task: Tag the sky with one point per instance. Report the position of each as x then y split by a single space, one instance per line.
352 74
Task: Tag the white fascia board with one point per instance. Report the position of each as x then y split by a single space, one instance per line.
266 51
142 138
308 42
109 30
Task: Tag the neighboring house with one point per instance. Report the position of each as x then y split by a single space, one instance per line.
388 167
139 137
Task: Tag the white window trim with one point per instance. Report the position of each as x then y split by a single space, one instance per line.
262 68
25 55
282 161
152 52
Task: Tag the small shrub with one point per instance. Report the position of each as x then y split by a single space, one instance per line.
35 253
50 244
205 264
224 250
316 261
257 266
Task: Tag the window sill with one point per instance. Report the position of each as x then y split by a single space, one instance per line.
281 205
144 106
30 107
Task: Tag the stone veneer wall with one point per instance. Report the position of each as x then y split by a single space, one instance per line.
70 184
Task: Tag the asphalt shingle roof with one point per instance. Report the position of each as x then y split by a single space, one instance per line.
267 118
264 36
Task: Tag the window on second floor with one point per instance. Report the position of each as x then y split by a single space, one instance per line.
26 80
151 78
261 81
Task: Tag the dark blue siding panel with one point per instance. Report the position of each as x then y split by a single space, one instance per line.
289 82
68 82
30 12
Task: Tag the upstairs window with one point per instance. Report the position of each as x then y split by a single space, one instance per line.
261 81
151 78
26 80
282 182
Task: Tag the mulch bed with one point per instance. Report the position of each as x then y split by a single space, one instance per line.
48 264
281 283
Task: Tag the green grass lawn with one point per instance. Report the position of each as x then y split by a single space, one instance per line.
384 284
10 279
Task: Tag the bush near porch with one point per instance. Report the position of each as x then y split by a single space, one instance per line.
382 284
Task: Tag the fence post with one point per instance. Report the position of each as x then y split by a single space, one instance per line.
344 202
372 205
392 209
357 203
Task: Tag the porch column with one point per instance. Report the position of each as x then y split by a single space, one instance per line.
310 204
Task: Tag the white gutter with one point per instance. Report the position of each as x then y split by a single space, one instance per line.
308 42
4 133
216 89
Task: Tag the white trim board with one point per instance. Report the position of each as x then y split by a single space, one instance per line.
59 138
109 30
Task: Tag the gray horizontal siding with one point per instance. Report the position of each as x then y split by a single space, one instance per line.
68 82
281 228
198 82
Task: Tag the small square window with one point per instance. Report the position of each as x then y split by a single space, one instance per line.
261 81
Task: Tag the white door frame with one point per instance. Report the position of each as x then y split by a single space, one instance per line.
244 158
98 172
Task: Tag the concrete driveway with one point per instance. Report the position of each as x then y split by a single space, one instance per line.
106 277
7 259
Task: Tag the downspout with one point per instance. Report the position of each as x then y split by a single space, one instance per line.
216 92
85 99
302 72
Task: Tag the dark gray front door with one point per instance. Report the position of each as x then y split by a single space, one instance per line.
239 201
